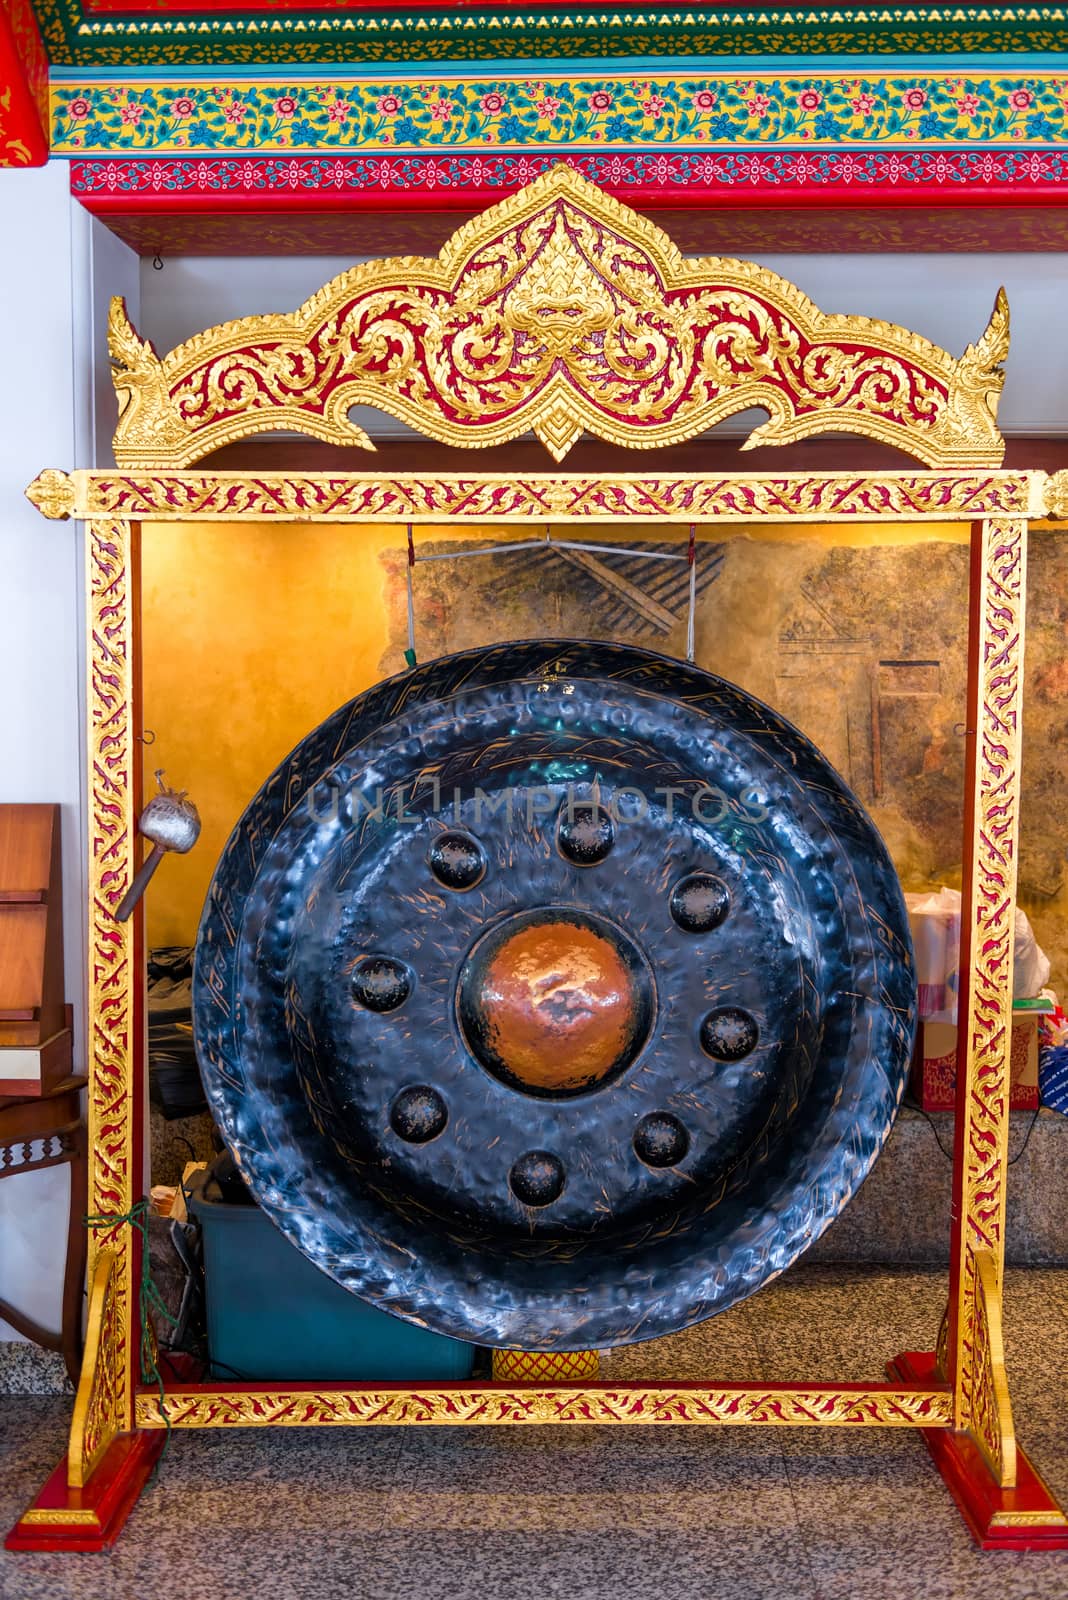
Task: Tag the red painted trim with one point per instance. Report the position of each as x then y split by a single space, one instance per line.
186 8
109 1497
140 1178
724 202
24 79
487 1386
722 179
701 231
971 1483
959 1238
652 198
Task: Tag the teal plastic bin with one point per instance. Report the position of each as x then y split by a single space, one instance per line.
272 1314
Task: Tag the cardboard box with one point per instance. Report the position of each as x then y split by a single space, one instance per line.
933 1080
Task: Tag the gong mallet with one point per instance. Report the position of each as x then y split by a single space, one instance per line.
171 822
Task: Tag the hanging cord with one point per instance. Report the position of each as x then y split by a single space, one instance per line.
934 1129
1027 1137
409 654
926 1115
691 558
553 544
150 1300
513 546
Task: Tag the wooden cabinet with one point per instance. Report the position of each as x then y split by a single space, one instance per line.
35 1038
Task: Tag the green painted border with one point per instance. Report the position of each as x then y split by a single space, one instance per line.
266 38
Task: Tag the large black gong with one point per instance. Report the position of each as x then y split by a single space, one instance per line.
554 995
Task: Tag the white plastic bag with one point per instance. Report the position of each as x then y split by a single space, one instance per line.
935 922
1031 971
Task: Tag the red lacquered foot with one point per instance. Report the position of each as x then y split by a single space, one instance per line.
1024 1518
92 1518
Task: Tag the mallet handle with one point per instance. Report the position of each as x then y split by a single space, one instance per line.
140 883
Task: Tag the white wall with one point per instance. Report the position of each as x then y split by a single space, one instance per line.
56 269
948 298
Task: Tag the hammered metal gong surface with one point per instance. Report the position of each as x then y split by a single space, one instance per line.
554 995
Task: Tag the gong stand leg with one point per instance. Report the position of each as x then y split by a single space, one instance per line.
86 1501
1004 1501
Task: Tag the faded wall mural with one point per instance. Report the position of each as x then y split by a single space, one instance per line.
862 646
857 636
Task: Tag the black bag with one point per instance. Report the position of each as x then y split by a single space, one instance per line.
173 1076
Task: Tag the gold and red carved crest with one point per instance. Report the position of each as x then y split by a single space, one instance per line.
559 311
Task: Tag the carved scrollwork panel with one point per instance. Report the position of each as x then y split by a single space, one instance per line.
983 1062
565 497
991 1424
99 1405
559 310
112 981
629 1406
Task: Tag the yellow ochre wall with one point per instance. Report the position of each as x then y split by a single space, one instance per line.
253 633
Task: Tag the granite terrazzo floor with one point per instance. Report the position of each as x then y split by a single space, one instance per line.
586 1513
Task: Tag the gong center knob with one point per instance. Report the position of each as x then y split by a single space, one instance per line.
555 1002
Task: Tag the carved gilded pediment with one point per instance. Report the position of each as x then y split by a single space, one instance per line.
559 311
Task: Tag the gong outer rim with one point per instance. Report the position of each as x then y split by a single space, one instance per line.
813 1198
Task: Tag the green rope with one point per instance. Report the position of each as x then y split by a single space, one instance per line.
150 1301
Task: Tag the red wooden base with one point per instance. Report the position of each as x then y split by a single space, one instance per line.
91 1518
1025 1518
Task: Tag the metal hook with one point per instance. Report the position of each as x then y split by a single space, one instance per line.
147 736
157 262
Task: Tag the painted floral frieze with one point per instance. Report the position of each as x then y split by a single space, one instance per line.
757 110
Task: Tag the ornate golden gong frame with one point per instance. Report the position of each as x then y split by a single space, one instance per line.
558 310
